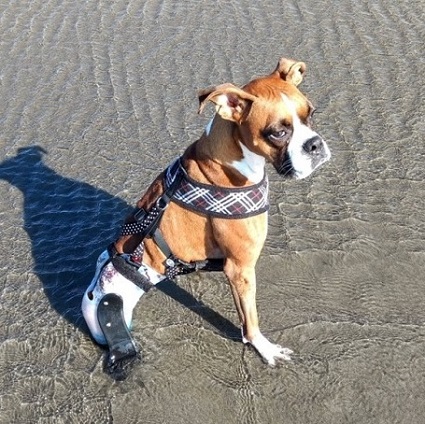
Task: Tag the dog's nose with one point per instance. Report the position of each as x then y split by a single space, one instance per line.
314 146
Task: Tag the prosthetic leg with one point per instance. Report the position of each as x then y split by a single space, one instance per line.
122 350
108 305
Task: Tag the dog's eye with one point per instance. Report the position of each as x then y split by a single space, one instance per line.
277 135
278 138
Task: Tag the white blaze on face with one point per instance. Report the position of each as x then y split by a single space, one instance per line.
302 162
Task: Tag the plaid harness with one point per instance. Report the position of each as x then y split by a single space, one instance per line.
222 202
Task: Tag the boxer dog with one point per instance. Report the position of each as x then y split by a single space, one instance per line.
208 209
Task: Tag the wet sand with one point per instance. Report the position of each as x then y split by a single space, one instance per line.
97 97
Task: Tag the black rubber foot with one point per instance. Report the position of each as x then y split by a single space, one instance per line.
123 353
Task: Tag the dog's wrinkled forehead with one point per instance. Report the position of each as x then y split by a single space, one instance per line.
281 99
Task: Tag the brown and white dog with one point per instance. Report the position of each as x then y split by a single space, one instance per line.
268 120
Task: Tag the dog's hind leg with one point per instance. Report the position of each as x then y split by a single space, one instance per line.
108 280
108 305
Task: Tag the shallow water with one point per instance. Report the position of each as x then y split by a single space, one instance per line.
98 96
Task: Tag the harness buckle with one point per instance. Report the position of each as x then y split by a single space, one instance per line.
140 215
162 202
170 263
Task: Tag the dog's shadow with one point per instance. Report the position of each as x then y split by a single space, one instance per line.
69 223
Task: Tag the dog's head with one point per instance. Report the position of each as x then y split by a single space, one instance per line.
273 119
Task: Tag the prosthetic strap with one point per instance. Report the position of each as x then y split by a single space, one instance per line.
129 269
123 352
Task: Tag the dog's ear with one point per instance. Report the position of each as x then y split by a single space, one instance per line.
290 70
231 102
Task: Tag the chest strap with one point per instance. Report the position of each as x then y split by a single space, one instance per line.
211 200
175 266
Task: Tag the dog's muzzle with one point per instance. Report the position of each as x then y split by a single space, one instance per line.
301 162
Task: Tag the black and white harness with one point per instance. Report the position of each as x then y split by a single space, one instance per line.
222 202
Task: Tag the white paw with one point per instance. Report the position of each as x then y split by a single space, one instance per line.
270 352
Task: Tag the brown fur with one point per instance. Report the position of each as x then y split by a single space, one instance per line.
242 115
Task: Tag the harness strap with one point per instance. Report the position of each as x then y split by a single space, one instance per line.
146 225
147 221
175 266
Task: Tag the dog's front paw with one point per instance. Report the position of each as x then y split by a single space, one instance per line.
270 352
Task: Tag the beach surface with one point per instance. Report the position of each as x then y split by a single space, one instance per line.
97 97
